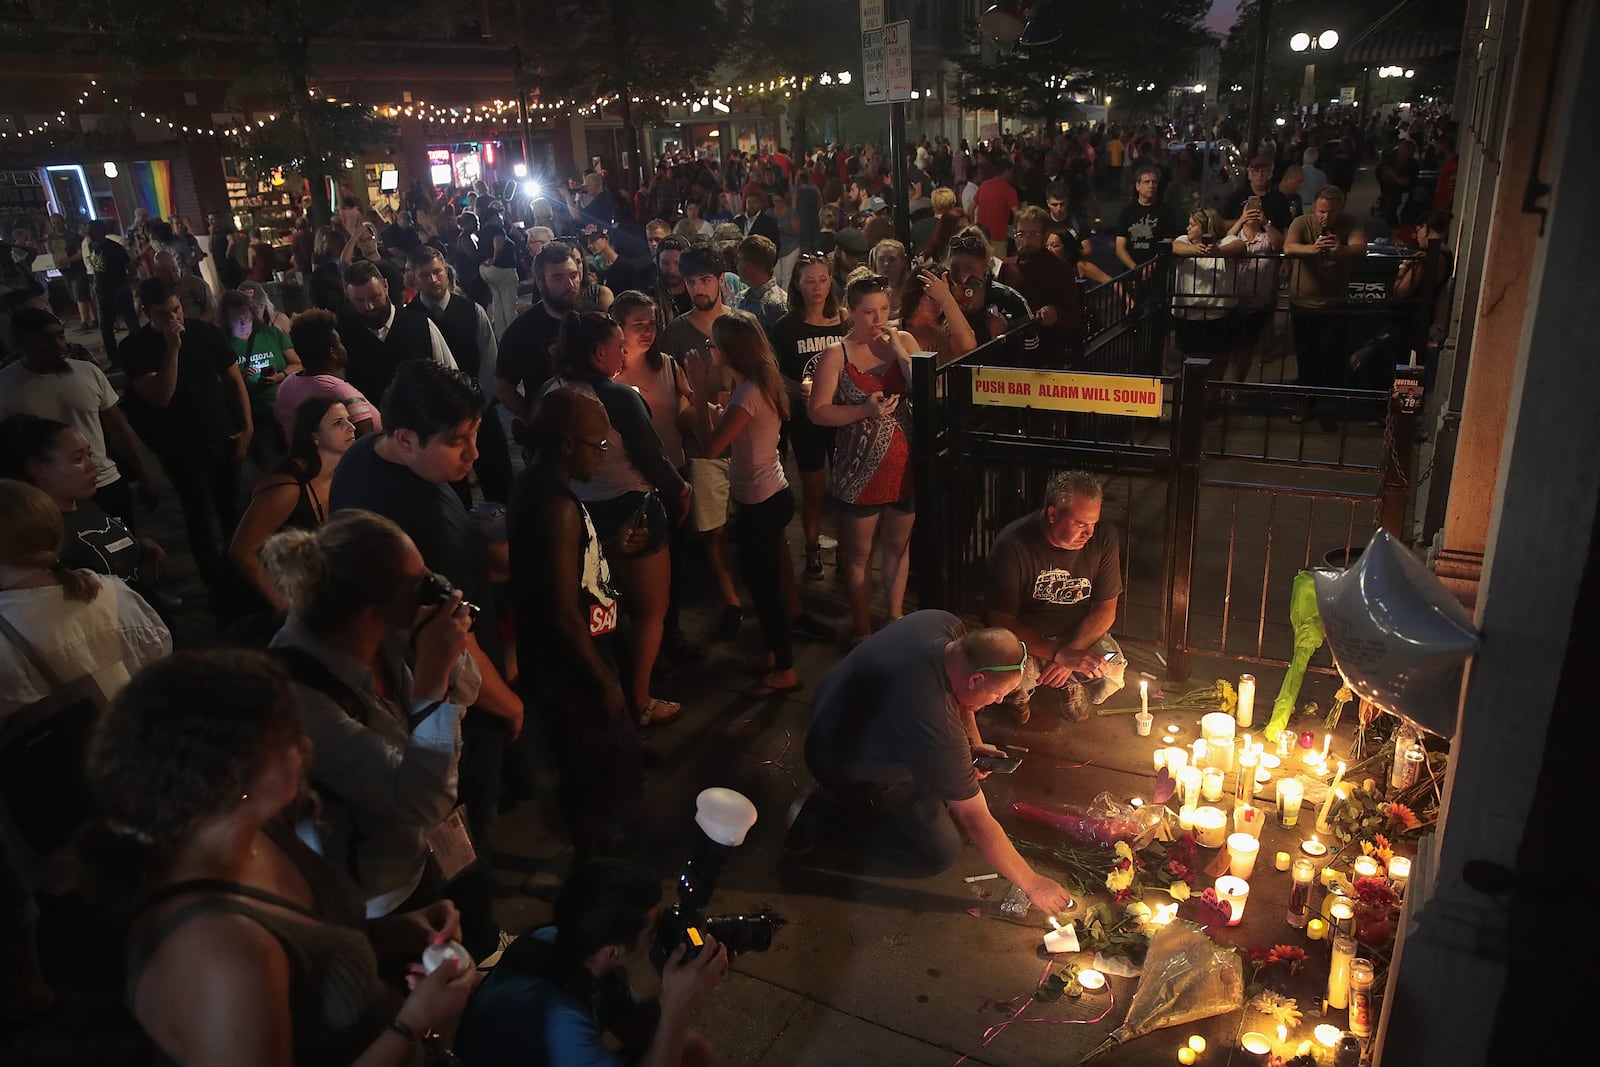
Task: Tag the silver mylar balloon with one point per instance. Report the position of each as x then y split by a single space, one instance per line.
1397 635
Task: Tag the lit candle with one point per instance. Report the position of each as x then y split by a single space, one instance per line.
1210 826
1197 1043
1256 1048
1189 779
1144 696
1242 852
1245 786
1330 877
1211 784
1291 791
1285 739
1248 819
1186 817
1327 741
1399 872
1313 847
1233 892
1060 938
1199 750
1316 929
1186 1055
1344 951
1247 699
1300 894
1329 807
1327 1036
1091 979
1342 916
1281 861
1323 825
1365 867
1177 759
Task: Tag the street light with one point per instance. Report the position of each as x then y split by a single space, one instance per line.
1304 42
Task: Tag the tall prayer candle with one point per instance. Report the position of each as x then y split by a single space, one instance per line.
1144 695
1247 699
1344 953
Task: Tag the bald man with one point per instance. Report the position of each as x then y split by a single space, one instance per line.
893 736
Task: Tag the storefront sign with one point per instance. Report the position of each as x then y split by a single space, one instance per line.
1104 394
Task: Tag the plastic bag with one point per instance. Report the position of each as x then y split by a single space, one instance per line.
1101 823
1187 976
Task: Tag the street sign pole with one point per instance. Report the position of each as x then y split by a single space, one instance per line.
886 78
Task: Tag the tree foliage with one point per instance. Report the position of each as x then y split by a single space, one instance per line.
1116 45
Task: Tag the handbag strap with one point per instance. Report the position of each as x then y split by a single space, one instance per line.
31 654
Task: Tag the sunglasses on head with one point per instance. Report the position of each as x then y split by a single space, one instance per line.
969 244
1006 669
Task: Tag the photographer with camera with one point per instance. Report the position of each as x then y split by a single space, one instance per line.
560 988
430 424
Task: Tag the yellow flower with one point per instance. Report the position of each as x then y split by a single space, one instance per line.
1119 879
1179 890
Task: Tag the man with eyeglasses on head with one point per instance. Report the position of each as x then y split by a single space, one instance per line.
1054 579
893 738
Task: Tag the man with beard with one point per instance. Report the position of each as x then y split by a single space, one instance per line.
44 382
378 338
691 333
525 363
466 328
991 308
1049 284
672 296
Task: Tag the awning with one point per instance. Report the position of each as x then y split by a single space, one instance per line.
1403 49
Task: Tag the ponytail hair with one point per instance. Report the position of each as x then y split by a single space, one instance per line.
330 575
32 536
581 333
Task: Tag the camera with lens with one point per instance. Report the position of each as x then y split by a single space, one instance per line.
722 819
437 589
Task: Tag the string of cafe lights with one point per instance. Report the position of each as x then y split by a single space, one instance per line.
465 114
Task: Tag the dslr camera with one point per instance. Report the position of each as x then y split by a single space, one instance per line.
722 820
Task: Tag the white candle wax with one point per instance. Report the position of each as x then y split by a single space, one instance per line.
1233 892
1344 950
1327 742
1210 826
1186 817
1365 867
1211 784
1064 940
1242 852
1247 699
1323 825
1144 695
1291 792
1091 979
1189 781
1313 847
1399 872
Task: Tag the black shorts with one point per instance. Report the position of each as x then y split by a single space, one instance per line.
610 516
813 444
866 511
1209 337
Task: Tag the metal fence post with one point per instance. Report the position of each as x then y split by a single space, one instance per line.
930 543
1400 433
1191 415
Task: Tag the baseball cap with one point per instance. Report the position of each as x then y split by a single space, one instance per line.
1261 161
851 240
593 230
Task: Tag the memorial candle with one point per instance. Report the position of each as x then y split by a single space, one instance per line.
1344 953
1399 872
1234 892
1313 847
1247 699
1323 825
1144 696
1316 929
1365 867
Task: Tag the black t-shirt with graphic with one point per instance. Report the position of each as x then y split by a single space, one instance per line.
1146 227
1048 588
798 344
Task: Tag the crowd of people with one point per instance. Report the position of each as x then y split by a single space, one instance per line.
421 632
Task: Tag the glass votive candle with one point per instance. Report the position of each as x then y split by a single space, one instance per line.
1211 784
1291 794
1248 819
1257 1049
1210 826
1186 1055
1342 917
1189 781
1242 852
1186 817
1399 872
1281 861
1233 892
1365 867
1197 1043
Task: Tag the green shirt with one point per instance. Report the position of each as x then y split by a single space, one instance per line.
260 353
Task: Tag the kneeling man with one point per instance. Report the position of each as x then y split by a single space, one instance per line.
1054 578
892 741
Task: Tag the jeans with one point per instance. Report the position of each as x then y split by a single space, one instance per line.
206 481
108 306
758 541
1110 682
880 828
601 792
1319 345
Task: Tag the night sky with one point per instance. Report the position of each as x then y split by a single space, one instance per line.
1221 17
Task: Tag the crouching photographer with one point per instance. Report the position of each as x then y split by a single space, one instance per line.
560 988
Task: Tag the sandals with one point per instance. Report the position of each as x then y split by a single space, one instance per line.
659 711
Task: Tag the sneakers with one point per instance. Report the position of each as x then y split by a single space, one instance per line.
732 619
810 629
813 571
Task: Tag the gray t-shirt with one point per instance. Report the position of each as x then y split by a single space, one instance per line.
1048 588
885 713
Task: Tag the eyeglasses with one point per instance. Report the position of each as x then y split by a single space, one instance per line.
1003 670
969 243
602 445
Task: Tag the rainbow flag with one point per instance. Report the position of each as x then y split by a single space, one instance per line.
152 188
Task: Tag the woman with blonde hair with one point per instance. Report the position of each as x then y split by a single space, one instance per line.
1203 292
749 428
57 625
888 260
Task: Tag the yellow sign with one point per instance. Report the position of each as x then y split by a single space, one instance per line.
1104 394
